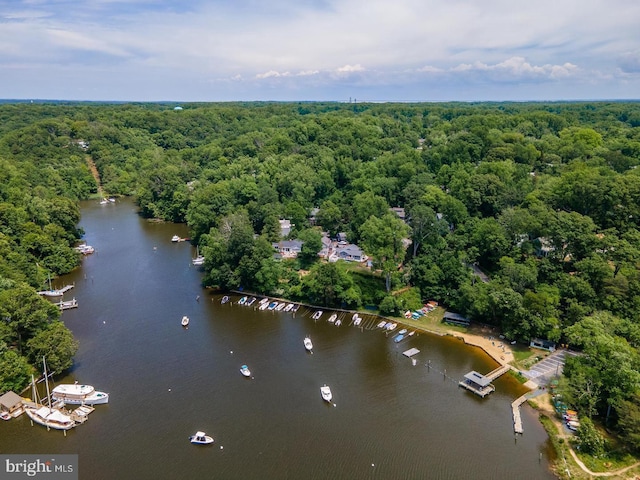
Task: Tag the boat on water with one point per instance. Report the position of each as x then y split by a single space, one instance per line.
185 321
224 299
295 307
357 321
263 306
251 301
244 370
48 415
289 307
175 238
264 300
272 306
332 318
403 331
381 324
398 338
338 322
201 438
317 315
198 260
5 416
77 394
242 301
104 201
307 344
325 391
392 326
280 307
85 249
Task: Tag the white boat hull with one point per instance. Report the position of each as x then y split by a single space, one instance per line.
79 395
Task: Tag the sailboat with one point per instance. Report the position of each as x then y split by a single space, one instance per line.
199 259
47 415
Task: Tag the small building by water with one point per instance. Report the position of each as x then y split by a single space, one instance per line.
477 383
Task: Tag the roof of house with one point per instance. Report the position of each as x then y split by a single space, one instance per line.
477 378
351 250
10 400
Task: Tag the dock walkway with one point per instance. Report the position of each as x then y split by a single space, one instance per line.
517 419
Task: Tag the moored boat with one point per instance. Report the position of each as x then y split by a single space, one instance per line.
317 315
175 238
185 321
381 324
201 438
307 344
263 306
272 306
280 306
224 299
77 394
251 301
332 318
289 307
325 391
242 301
398 338
244 370
357 321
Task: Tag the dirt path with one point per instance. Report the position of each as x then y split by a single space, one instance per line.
94 172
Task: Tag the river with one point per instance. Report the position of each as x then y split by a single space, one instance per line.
391 419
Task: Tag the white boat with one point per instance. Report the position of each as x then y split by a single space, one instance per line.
264 300
225 299
272 306
332 318
201 438
48 415
251 301
317 315
357 321
244 370
199 259
392 326
175 238
280 306
76 394
381 324
402 332
263 306
338 322
289 307
326 393
55 292
104 201
185 321
242 301
307 344
5 416
85 249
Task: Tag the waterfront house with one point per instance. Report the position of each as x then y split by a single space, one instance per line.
288 248
10 403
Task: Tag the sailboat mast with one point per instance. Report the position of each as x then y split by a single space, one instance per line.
46 382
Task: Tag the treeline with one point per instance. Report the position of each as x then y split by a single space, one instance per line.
543 198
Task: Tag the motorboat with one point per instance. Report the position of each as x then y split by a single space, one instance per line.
242 301
381 324
326 393
317 315
185 321
251 301
264 300
307 344
332 318
295 307
263 306
5 416
244 370
403 331
104 201
398 338
85 249
201 438
392 326
77 394
338 322
280 306
357 321
198 261
224 300
272 306
289 307
175 238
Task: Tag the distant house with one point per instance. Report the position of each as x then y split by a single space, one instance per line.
455 319
351 253
543 246
341 237
543 344
285 227
288 248
312 216
325 251
400 212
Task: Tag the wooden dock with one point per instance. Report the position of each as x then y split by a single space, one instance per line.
67 304
497 372
517 419
481 384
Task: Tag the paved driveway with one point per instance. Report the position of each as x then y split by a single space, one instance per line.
549 368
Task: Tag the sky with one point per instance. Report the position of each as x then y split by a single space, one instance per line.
320 50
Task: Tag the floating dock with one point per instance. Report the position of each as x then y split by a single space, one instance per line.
67 304
56 292
481 384
411 352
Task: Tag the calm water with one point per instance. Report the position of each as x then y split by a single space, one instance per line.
391 420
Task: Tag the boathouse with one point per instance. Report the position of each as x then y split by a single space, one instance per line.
477 383
10 403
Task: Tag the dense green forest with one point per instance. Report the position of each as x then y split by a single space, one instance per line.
542 198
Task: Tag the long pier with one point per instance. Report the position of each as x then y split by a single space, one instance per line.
517 419
497 372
